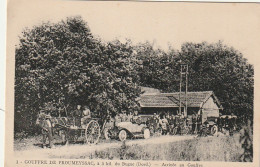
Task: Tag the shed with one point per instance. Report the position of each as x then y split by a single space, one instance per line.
204 102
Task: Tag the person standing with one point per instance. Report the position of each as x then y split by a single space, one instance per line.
130 117
44 122
182 115
154 122
168 116
77 114
226 123
232 123
178 123
171 124
164 124
233 120
193 121
199 122
62 112
219 123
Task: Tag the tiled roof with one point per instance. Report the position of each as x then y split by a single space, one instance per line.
194 99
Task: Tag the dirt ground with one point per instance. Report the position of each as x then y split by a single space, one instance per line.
31 147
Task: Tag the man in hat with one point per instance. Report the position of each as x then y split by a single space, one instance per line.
171 122
193 120
44 122
220 123
164 124
155 122
232 123
199 122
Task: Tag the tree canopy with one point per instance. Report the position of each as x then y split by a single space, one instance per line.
212 67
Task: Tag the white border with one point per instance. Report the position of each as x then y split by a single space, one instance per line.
3 13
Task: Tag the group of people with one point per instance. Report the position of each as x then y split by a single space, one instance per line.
127 117
164 121
196 120
80 116
167 123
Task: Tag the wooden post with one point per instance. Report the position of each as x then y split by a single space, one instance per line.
186 91
180 92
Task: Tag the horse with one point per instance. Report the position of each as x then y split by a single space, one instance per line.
53 126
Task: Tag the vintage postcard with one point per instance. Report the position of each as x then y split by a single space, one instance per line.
134 84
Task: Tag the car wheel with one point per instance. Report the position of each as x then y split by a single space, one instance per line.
214 130
146 133
122 135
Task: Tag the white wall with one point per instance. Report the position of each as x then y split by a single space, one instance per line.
210 109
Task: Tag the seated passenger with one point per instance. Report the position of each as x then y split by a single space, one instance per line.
136 118
123 116
77 114
86 114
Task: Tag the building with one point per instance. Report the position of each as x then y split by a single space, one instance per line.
204 102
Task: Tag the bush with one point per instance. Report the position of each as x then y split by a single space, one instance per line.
246 140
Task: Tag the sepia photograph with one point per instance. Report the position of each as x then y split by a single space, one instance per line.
141 83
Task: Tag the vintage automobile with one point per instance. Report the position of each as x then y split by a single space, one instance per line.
125 130
228 124
207 128
212 125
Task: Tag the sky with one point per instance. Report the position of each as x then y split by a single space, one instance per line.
161 23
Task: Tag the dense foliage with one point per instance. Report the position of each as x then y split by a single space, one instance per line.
62 64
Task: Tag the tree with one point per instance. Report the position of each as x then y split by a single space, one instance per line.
62 64
158 68
222 69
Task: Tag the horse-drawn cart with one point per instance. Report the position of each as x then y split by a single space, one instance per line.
88 133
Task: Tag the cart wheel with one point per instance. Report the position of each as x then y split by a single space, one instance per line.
147 134
122 135
214 130
106 134
92 132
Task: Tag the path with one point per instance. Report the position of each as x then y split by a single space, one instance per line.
76 150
